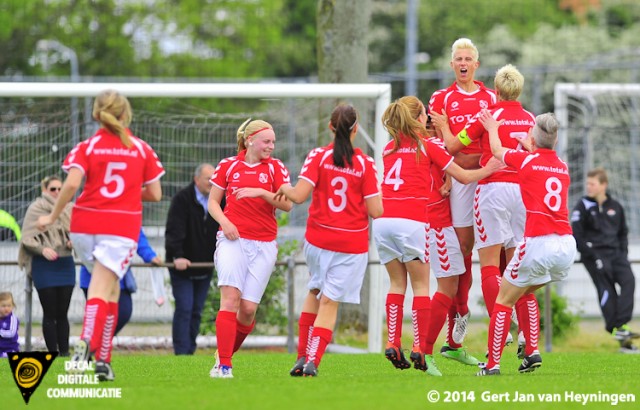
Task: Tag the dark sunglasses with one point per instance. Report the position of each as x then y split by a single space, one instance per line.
54 189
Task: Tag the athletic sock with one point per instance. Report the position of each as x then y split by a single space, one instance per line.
395 311
320 338
498 331
490 286
242 331
95 315
226 335
305 328
420 312
529 321
106 344
439 308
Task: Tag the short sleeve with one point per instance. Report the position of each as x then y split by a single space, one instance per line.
219 177
153 169
514 158
281 175
309 169
77 158
370 183
438 153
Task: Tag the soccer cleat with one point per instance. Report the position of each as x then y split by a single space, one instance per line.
104 371
417 357
530 363
432 369
396 357
488 372
629 348
309 370
460 327
459 354
224 372
216 367
624 333
80 358
296 370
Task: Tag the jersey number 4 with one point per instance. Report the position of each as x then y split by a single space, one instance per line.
393 176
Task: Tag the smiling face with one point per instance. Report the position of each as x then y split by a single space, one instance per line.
464 64
262 144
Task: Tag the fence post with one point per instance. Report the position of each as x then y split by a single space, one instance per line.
28 293
291 347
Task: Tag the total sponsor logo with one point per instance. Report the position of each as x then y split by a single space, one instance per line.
460 119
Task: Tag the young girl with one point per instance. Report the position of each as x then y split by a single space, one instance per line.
246 250
345 194
9 325
120 171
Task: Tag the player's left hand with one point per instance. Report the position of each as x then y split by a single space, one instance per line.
488 121
248 193
439 120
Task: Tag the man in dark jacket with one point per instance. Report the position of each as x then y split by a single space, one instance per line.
600 230
190 236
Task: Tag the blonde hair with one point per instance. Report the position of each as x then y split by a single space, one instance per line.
113 111
401 118
7 296
509 83
247 129
464 44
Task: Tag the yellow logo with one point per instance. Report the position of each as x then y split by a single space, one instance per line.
28 369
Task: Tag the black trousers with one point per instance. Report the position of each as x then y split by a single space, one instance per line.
55 322
616 306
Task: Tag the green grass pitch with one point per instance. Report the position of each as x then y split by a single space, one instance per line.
365 381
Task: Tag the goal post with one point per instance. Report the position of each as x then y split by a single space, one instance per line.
381 93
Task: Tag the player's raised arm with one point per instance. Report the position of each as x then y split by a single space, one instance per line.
491 125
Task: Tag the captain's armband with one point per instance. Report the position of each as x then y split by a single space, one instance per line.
464 138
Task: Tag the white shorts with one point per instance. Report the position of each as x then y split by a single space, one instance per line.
402 239
447 259
541 259
499 215
245 264
337 275
114 252
461 200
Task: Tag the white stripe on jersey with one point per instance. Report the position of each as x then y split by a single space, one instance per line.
343 229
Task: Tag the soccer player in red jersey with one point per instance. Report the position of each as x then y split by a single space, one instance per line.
498 209
460 102
246 251
401 233
345 193
120 171
548 248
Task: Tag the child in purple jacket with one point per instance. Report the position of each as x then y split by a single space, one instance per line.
9 325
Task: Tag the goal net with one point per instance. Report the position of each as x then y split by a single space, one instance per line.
600 127
186 124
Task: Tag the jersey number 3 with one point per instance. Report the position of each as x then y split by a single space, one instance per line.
111 177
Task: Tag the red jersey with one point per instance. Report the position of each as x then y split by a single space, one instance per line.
438 207
461 106
254 218
517 123
544 184
111 200
406 183
338 218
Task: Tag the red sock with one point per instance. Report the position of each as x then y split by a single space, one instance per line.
490 286
529 321
226 335
95 315
498 330
242 331
106 344
305 328
395 310
320 338
439 308
421 310
464 285
451 314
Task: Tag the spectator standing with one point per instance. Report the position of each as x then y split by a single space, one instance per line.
47 257
190 236
600 229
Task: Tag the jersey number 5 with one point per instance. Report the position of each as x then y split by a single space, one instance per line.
110 176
